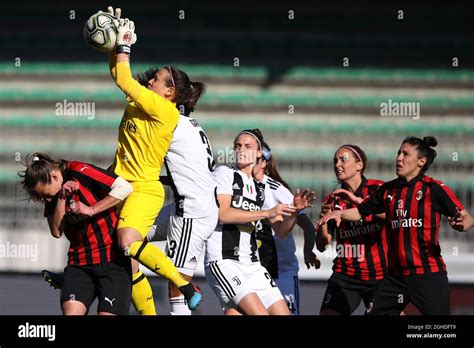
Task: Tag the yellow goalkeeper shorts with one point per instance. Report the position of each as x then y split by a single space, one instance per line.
142 206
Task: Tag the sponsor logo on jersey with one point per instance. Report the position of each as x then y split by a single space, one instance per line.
358 229
406 223
402 221
193 259
241 202
236 187
128 126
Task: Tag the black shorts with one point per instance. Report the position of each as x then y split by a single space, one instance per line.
429 293
110 283
344 294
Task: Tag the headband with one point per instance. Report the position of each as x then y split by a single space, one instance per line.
171 74
353 150
247 132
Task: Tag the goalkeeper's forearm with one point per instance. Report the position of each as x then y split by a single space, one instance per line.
124 78
113 64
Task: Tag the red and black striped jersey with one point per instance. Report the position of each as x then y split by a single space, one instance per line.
91 238
413 211
361 247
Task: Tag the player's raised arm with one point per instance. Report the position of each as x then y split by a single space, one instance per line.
323 237
301 201
230 215
154 104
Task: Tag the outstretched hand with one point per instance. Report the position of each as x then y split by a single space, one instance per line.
281 209
303 200
335 215
348 195
462 221
311 260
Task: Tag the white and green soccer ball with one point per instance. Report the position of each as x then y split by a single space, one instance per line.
100 32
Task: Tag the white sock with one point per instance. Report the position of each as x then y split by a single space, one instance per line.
179 306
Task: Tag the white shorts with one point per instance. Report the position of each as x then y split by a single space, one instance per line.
185 237
231 281
289 287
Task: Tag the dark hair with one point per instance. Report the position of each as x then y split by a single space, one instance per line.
358 153
424 147
256 133
38 170
271 169
187 92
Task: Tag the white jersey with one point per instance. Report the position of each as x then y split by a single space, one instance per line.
236 241
190 166
276 193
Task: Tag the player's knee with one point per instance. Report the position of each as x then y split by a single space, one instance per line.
126 237
74 308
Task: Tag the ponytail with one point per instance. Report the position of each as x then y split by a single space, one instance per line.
187 92
197 91
271 169
272 172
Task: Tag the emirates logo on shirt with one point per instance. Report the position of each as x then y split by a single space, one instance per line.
128 126
403 219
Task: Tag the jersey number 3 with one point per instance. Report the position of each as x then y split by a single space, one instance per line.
211 164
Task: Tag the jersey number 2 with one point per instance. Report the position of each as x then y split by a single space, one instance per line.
211 164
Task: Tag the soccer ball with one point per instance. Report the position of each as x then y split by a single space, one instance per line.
100 32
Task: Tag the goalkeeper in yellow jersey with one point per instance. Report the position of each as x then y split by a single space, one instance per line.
145 134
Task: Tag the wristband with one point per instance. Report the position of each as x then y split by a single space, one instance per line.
123 49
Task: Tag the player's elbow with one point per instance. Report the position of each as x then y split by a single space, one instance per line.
121 189
56 233
224 217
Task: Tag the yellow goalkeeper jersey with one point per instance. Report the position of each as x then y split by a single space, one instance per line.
146 129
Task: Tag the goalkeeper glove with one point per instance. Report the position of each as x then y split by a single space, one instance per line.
126 36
